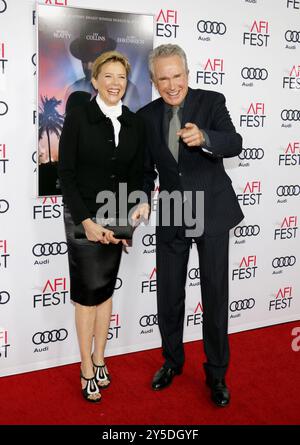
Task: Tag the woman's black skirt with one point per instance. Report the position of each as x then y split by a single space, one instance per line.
93 266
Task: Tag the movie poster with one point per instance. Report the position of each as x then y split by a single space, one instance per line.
69 40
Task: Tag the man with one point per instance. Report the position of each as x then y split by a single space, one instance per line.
194 163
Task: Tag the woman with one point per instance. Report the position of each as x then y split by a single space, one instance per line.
101 145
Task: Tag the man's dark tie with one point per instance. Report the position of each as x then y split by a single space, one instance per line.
173 140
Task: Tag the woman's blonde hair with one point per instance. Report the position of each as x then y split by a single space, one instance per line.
110 56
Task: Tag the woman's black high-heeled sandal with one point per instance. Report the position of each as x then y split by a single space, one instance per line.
91 388
101 375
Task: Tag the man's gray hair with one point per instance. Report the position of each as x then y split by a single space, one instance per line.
166 50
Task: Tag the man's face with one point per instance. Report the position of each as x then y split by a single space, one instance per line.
87 69
171 79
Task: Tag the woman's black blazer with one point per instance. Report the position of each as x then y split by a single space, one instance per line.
89 161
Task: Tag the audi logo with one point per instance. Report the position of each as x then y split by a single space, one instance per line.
194 274
149 240
290 115
49 336
48 249
118 284
292 36
252 153
284 261
242 305
211 27
149 320
4 297
4 206
33 157
33 59
288 190
4 6
3 108
243 231
254 73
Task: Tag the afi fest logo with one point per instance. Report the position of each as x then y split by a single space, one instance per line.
150 285
251 194
3 59
50 208
247 268
212 73
292 81
196 317
282 300
54 293
115 326
291 156
3 159
288 228
255 115
167 23
3 254
293 4
258 35
4 345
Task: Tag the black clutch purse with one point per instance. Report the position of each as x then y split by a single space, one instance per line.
120 231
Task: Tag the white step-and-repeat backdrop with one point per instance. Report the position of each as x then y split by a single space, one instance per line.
247 49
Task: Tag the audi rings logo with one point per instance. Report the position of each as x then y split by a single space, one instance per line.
118 284
4 206
50 336
194 274
149 320
284 261
242 305
4 297
211 27
252 153
292 36
288 190
3 6
243 231
149 240
254 73
3 108
48 249
290 115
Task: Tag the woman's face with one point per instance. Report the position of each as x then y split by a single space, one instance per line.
111 82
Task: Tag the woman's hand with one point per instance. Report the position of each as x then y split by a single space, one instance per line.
97 233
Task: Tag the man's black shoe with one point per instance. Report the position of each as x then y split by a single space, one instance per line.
219 391
163 377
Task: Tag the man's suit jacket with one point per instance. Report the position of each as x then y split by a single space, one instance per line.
196 170
89 161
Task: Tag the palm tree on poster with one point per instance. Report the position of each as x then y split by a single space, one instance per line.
50 120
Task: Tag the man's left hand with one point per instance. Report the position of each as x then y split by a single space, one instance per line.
191 135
